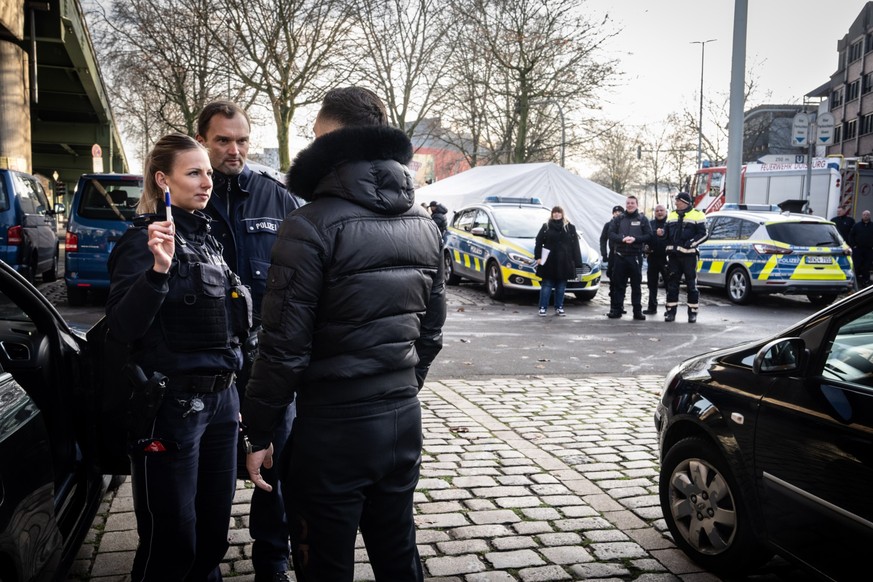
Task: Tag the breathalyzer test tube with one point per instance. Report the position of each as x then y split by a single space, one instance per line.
167 204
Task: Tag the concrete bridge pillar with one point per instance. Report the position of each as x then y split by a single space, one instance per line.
15 143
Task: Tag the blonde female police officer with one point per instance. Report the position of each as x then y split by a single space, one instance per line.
174 300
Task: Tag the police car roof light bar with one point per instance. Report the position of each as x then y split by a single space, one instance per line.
511 200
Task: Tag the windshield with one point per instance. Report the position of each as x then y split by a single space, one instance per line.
520 221
805 234
112 198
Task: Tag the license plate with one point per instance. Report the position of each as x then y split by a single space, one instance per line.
818 260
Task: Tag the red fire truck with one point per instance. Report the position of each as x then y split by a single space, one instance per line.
836 182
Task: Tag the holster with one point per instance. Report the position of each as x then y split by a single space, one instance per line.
145 401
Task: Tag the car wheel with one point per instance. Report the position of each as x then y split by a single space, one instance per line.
494 280
585 295
739 286
51 274
705 510
76 296
822 299
449 268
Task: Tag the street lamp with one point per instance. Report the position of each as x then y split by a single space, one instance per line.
702 44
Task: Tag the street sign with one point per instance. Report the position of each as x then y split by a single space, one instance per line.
96 151
825 133
800 130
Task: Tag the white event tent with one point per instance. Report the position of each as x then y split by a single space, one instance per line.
586 204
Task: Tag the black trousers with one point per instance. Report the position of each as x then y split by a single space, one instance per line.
862 257
627 268
354 466
182 496
679 265
657 269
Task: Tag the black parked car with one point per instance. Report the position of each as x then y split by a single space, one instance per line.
767 447
51 483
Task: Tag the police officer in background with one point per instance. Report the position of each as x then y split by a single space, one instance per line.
657 257
628 232
844 222
861 239
247 208
606 246
686 229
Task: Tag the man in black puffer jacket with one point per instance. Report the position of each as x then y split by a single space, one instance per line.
352 320
628 232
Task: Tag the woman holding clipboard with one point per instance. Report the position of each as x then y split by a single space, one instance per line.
558 255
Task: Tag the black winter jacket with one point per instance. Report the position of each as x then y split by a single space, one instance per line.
634 224
355 299
564 254
258 204
140 301
439 217
861 235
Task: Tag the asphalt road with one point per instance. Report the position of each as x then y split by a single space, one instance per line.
484 338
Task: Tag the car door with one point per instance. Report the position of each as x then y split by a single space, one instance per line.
814 449
714 251
38 227
467 253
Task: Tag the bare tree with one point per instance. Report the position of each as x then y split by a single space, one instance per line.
537 54
288 51
615 155
161 67
405 67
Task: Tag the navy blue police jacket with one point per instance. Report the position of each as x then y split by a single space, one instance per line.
258 204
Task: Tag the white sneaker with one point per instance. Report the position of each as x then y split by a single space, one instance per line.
560 311
542 312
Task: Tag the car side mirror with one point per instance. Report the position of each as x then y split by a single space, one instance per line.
477 231
60 208
780 356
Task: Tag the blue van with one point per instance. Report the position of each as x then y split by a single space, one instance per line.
28 226
102 210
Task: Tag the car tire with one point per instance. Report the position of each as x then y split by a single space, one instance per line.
739 286
449 268
494 280
715 533
52 274
821 299
585 295
76 296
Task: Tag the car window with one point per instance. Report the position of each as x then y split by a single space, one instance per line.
10 311
850 358
30 195
466 219
110 198
724 228
805 234
4 196
520 222
747 229
482 220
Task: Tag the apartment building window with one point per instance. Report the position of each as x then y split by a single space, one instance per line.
836 98
850 129
853 90
838 134
855 51
868 43
867 84
867 124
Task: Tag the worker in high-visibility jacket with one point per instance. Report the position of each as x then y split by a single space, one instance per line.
686 229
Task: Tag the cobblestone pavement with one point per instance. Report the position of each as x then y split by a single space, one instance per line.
534 480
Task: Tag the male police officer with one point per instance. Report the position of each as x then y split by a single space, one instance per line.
247 209
628 232
657 258
686 229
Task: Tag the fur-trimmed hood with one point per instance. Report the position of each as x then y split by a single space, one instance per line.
364 164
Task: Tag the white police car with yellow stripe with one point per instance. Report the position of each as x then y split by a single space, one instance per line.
770 252
493 243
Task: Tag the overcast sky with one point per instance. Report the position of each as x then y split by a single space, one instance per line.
790 47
